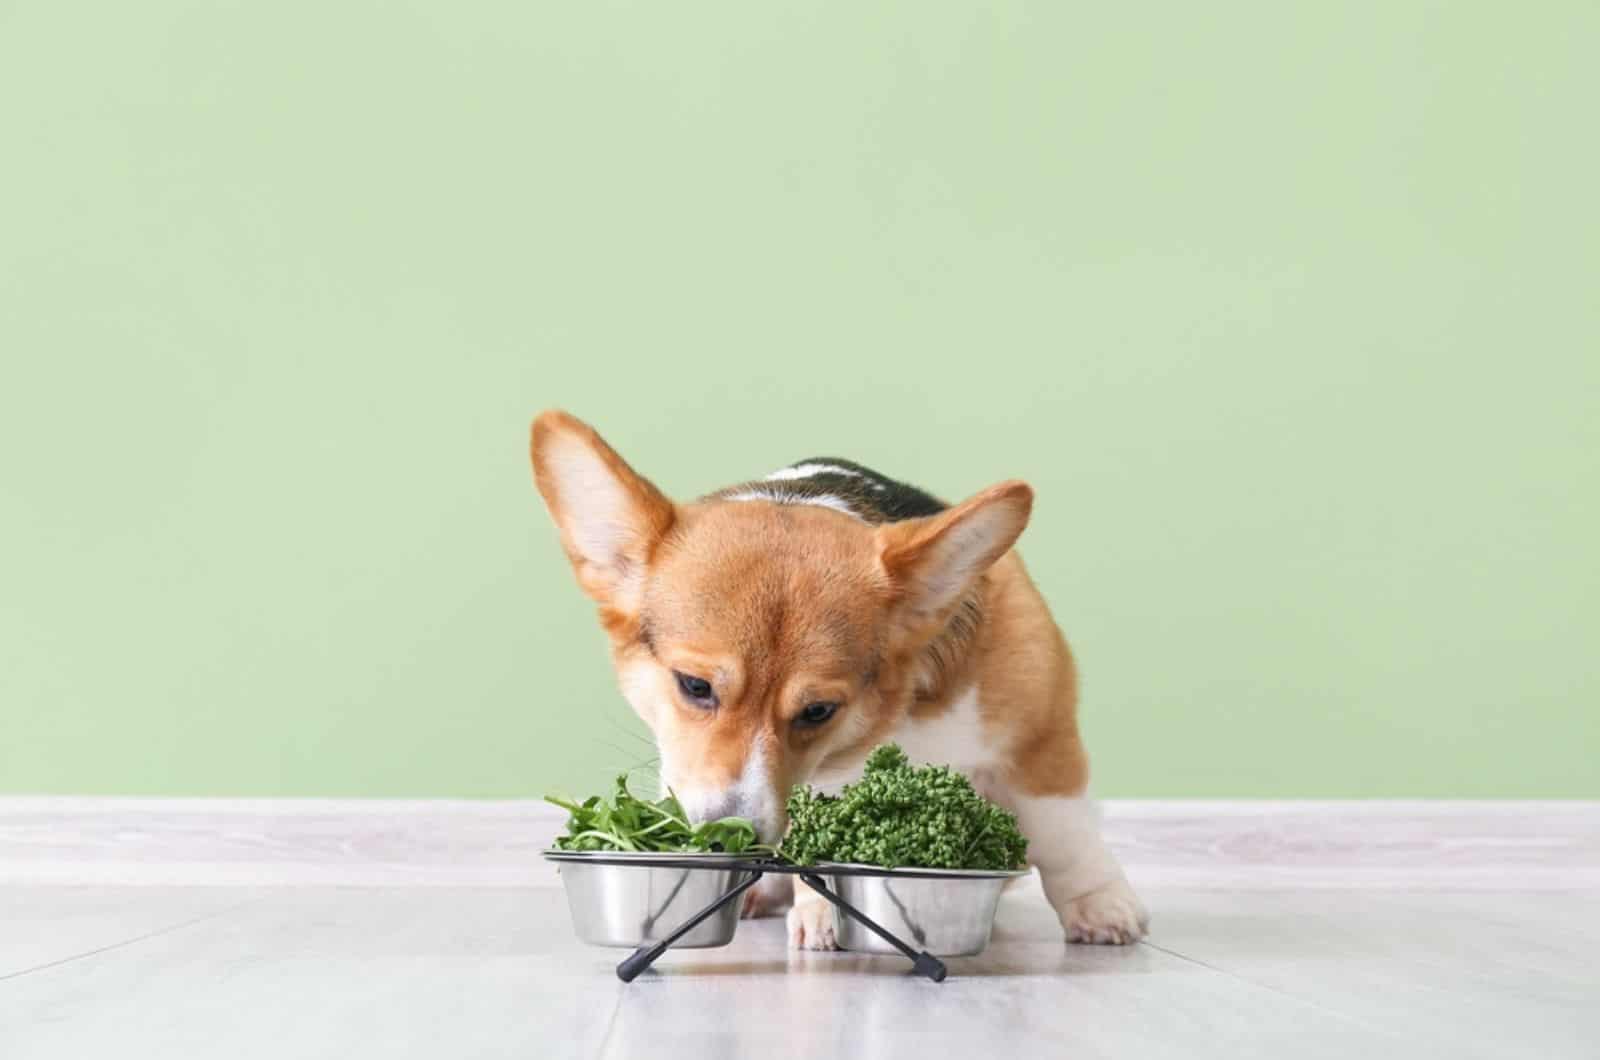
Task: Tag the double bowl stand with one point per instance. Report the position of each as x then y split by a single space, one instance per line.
923 963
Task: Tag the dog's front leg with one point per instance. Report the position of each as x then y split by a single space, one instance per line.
771 895
1082 880
811 920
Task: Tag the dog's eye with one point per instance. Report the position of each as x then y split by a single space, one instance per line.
816 713
696 688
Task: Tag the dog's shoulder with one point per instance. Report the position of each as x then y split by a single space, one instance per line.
844 485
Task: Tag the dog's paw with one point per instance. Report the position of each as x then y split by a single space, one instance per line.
811 926
770 896
1111 916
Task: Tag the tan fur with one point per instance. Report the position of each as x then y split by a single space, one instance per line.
714 603
781 605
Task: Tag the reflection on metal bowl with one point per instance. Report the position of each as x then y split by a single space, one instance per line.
950 914
626 905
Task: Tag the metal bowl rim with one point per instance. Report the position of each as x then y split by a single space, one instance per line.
642 858
650 858
914 872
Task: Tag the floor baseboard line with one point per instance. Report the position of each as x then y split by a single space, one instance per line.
1445 844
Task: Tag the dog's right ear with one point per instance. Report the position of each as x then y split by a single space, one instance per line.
611 518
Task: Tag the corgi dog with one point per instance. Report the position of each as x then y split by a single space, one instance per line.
774 632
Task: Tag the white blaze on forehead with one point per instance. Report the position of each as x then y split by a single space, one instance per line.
754 786
824 501
807 470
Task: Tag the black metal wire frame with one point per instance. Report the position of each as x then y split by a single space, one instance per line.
923 963
764 865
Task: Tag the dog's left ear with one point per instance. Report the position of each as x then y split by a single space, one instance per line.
611 518
932 562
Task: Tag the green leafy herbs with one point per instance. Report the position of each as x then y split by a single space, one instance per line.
900 815
897 815
623 822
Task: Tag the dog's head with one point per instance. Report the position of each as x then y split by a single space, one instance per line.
761 641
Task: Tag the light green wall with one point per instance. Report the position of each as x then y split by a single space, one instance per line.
1287 310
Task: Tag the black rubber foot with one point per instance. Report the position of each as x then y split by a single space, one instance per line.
636 962
928 966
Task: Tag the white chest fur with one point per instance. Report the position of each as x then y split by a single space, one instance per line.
953 737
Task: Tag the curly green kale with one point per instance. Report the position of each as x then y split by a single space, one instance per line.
900 815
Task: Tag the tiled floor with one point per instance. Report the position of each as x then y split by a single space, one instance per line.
407 971
288 929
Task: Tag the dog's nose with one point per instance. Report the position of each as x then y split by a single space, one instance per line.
712 806
702 806
717 807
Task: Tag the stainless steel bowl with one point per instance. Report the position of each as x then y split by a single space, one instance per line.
950 914
630 904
